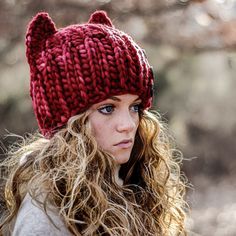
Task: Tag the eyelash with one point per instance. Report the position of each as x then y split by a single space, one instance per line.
101 110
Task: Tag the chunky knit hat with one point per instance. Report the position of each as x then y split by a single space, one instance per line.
74 67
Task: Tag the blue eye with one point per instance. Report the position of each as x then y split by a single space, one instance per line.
107 109
135 108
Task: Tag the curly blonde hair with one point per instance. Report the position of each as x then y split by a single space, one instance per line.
150 202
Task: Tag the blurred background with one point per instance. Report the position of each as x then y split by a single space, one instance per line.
192 47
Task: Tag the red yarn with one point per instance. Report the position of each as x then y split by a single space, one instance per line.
77 66
100 17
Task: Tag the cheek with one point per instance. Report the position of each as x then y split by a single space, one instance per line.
137 120
100 132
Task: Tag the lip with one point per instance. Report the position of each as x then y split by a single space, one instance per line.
126 143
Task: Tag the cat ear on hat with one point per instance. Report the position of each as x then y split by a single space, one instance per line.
100 17
39 29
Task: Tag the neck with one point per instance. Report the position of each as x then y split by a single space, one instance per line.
118 180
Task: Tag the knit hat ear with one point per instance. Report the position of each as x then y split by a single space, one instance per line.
40 28
100 17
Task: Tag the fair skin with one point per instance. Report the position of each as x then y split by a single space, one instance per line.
114 124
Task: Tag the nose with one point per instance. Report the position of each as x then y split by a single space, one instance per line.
126 122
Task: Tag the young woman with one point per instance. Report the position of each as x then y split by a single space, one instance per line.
102 163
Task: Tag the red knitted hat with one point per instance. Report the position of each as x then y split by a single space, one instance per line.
79 65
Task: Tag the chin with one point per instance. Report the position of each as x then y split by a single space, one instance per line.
122 159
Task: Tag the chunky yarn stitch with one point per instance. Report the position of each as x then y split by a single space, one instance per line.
79 65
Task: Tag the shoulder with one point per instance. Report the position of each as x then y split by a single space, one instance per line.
32 220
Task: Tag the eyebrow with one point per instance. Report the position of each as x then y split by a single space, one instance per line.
118 100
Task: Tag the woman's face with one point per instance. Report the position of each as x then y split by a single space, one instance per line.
114 123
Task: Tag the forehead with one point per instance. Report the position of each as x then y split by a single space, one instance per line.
124 98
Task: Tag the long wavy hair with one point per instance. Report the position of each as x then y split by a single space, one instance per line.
150 201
